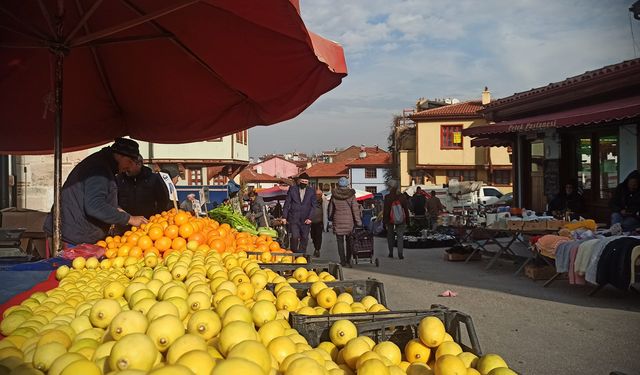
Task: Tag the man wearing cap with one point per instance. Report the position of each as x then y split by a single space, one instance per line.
89 196
142 192
297 212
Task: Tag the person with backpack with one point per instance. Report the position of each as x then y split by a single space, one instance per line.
344 213
395 217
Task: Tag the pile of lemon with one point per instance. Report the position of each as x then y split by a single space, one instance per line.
194 313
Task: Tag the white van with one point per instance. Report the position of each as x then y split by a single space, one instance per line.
485 195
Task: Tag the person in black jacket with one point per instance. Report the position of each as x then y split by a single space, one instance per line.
625 203
568 201
89 196
142 192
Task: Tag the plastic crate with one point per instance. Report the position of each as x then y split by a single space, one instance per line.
398 326
286 269
357 288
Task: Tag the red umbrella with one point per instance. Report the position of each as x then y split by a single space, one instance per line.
166 71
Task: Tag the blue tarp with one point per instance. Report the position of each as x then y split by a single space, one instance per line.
16 282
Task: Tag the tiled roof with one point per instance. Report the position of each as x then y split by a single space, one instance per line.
327 170
250 175
461 110
380 159
607 71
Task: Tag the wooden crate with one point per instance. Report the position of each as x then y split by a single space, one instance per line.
555 224
514 224
535 272
457 257
534 225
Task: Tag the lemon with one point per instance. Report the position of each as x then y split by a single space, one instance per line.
431 331
396 370
103 350
236 366
63 361
198 361
234 333
373 367
92 263
204 323
259 280
419 368
140 295
162 308
103 312
167 370
78 345
78 263
368 301
135 351
57 336
164 331
263 312
502 371
114 290
472 371
416 351
281 347
390 351
83 366
270 330
300 274
342 331
304 366
488 362
316 287
92 333
237 313
184 344
128 322
254 351
449 364
353 350
226 303
341 308
469 359
448 347
326 298
47 353
62 272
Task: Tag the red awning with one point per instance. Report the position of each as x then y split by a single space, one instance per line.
491 142
614 110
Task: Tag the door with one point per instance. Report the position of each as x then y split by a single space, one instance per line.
537 200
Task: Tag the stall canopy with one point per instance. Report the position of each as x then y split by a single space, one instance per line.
276 193
165 71
609 111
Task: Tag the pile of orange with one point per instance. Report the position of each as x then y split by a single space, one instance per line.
177 230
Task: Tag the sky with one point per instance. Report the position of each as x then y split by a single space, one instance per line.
400 50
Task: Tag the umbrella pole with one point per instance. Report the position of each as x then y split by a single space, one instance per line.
57 154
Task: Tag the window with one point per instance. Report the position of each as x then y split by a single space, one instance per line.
194 176
461 174
370 173
245 137
502 177
241 137
451 137
608 158
490 192
371 189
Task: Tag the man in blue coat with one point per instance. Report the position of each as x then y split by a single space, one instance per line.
89 196
297 212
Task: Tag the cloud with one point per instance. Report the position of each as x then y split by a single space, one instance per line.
398 51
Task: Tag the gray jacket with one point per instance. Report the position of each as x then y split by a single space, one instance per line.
89 200
344 211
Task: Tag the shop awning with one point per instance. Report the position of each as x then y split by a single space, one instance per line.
614 110
491 142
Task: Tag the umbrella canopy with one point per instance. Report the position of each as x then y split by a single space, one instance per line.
361 195
165 71
276 193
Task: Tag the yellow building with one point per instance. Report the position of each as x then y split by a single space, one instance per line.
433 150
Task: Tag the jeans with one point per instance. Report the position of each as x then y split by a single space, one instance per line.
341 240
394 231
316 235
628 223
299 237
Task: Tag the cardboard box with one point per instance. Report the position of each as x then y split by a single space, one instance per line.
30 220
535 272
534 225
555 224
514 224
457 257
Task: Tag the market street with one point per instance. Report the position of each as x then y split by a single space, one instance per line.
554 330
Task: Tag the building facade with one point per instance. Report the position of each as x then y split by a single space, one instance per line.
277 166
582 130
370 172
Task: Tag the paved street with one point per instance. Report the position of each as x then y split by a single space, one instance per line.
555 330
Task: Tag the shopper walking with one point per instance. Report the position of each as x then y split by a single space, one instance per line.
434 207
344 212
317 225
395 217
297 211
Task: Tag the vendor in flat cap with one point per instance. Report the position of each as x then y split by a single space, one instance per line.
89 196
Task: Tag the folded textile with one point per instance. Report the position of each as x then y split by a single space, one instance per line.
547 245
584 255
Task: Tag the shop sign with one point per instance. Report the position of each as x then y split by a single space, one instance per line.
457 138
529 126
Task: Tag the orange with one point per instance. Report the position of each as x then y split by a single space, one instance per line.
198 237
162 243
178 243
225 226
218 245
155 232
186 230
101 243
117 239
111 253
145 242
123 250
135 252
262 248
108 239
222 232
274 246
133 239
180 218
204 248
171 231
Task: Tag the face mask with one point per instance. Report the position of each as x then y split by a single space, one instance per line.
302 186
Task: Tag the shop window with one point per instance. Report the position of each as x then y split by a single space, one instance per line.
584 163
451 137
461 174
371 189
370 173
502 177
608 161
194 176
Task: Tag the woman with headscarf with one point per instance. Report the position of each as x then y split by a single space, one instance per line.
344 212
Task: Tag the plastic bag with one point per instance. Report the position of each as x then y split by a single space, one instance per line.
84 250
